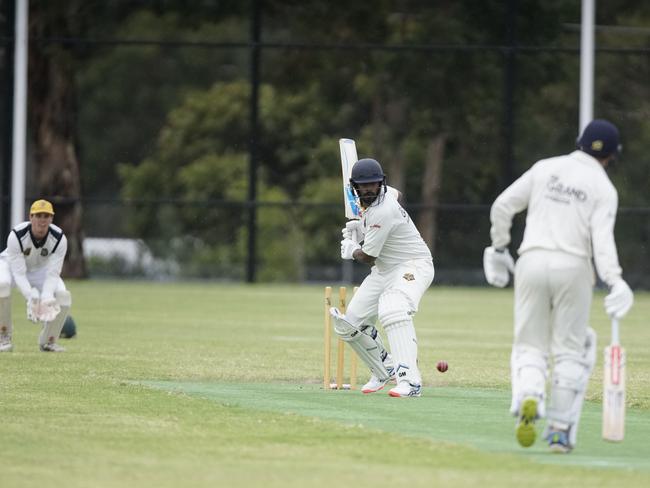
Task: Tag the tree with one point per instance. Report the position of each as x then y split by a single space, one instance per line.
52 118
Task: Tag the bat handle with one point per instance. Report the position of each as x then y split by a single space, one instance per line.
615 331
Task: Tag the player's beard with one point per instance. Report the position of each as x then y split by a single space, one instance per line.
367 198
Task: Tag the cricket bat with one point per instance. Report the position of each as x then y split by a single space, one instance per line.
614 389
348 158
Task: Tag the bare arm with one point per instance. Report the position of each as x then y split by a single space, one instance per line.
362 257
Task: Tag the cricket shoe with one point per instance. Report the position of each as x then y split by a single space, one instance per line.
374 384
52 347
406 389
525 430
558 441
6 346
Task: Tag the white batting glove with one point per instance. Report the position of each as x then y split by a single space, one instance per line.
620 300
348 246
32 305
497 266
48 310
353 230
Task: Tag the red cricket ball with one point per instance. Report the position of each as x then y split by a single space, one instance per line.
442 366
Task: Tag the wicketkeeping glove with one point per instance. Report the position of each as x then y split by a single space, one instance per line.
33 304
497 266
619 301
348 246
48 310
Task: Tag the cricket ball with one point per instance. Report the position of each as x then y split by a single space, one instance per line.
442 366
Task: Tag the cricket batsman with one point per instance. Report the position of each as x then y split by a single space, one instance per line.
572 208
385 239
32 262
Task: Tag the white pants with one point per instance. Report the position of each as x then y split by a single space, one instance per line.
553 293
412 279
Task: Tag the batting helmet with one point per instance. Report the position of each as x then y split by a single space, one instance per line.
600 139
367 171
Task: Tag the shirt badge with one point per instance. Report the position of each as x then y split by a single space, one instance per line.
44 252
408 276
27 251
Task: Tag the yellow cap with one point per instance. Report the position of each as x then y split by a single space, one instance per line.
41 206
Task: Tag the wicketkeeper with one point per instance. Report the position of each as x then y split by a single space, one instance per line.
572 208
401 271
32 262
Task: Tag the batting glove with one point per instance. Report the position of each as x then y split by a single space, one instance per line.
353 230
620 300
348 246
497 266
32 305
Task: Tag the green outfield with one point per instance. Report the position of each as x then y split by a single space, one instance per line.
175 385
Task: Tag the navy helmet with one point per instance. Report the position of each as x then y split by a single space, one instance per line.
367 171
600 139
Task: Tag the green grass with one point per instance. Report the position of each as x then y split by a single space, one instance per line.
173 385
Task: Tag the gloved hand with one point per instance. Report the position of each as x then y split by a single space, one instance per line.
620 300
32 305
348 246
48 310
497 266
353 230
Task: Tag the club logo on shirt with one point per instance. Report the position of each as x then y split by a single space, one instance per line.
27 251
44 252
408 276
563 193
375 226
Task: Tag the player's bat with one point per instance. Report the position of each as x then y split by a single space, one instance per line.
348 158
614 389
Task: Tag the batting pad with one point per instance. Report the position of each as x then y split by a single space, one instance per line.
366 343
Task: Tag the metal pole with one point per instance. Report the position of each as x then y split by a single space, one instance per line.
587 63
253 148
509 99
20 114
8 97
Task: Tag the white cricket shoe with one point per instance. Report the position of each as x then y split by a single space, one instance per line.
52 347
6 346
374 384
406 389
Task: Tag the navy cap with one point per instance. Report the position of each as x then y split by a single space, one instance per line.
600 139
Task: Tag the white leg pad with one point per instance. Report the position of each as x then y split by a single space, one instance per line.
396 316
51 330
569 386
366 342
529 370
6 329
63 298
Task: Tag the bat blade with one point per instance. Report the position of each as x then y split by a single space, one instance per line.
614 394
348 158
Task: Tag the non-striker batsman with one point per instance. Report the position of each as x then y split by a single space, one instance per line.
32 262
401 271
572 208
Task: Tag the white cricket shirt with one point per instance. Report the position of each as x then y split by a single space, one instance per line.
27 256
572 208
390 235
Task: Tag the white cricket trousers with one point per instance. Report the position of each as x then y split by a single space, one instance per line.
553 293
412 278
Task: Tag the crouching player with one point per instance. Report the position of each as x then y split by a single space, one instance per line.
401 271
32 262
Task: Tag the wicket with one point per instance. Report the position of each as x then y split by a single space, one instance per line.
340 350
